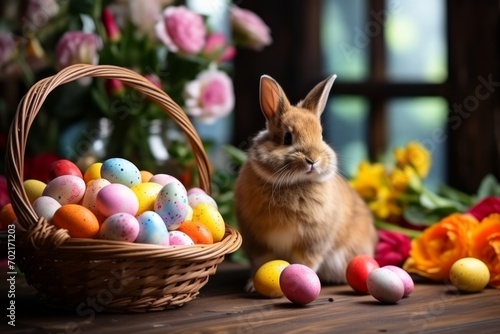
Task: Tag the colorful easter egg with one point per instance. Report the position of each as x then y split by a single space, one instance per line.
63 167
152 229
469 274
385 285
78 220
178 238
66 189
172 205
46 206
211 218
34 189
90 196
300 284
266 279
119 170
163 179
116 198
199 233
197 198
92 172
146 193
408 283
357 271
120 226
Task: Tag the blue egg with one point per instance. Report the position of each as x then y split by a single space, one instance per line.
118 170
172 205
152 229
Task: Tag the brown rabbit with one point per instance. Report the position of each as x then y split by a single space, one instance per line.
291 202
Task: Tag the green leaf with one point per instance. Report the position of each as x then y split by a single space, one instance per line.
396 228
237 156
431 201
489 187
456 195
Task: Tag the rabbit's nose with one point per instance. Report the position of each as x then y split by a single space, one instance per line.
311 164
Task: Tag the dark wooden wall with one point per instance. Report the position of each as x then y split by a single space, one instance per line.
295 60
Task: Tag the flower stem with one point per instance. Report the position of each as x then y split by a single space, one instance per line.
395 228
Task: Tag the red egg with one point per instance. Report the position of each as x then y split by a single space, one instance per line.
358 270
63 167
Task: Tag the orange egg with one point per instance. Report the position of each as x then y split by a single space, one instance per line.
199 233
145 175
78 220
7 216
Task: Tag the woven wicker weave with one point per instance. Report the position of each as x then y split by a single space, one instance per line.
104 275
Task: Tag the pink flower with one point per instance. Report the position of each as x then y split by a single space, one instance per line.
218 49
249 29
209 96
114 87
181 30
76 47
38 13
485 207
4 192
392 248
110 25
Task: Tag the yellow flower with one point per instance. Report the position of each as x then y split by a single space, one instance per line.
401 178
385 205
369 179
414 155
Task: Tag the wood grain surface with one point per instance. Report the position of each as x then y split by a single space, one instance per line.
223 307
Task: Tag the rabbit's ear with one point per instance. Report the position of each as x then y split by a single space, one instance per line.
316 99
272 99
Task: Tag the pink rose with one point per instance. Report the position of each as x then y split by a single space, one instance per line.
392 248
485 207
249 29
209 96
4 192
77 47
7 48
218 49
154 79
181 30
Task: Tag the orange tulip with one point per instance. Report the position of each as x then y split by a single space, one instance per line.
485 246
440 245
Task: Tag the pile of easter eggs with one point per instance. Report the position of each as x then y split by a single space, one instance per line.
114 200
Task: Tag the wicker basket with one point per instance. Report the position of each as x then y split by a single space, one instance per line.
103 275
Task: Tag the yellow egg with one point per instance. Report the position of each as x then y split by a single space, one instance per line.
34 189
210 217
469 274
93 172
146 194
267 278
189 215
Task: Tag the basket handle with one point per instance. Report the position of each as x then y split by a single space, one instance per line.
32 102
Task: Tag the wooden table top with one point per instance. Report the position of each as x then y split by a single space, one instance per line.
223 307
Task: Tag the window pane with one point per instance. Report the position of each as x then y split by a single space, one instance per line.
421 119
415 37
345 127
345 46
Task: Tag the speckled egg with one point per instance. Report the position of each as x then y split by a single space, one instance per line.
196 190
118 170
300 284
163 179
172 205
66 189
121 227
34 189
90 196
211 218
146 193
196 198
115 198
469 274
266 280
408 283
178 238
152 229
46 206
385 285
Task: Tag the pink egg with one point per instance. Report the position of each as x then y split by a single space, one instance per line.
405 278
93 188
120 227
66 189
116 198
300 284
162 179
385 285
46 206
195 190
178 238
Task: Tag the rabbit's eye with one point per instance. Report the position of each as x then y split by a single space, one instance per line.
287 139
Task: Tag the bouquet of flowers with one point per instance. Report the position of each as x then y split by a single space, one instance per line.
426 231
